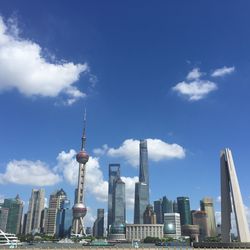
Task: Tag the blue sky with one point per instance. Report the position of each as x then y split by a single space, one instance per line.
175 72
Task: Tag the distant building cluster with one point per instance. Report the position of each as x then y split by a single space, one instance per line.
165 218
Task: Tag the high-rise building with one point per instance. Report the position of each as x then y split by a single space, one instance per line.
79 208
172 225
230 193
158 211
3 218
206 204
167 206
114 174
64 220
55 203
36 205
175 207
98 228
15 211
149 216
142 187
201 218
117 229
184 210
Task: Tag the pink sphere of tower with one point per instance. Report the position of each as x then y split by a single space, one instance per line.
82 157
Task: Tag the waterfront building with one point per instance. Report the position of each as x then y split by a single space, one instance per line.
201 218
184 210
206 204
3 218
98 228
231 196
158 211
142 187
117 229
64 220
36 205
141 231
172 225
55 202
79 208
149 216
192 231
114 174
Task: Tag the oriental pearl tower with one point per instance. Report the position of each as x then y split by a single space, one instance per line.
79 208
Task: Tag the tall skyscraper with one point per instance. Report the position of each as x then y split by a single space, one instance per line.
142 187
114 174
167 206
201 218
206 205
36 205
79 208
98 228
184 210
3 218
14 215
55 203
64 219
117 229
230 191
175 207
158 211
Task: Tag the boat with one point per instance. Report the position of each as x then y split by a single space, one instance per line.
103 243
7 239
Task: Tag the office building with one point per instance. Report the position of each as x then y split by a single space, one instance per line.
167 206
184 210
158 211
201 218
172 225
117 229
149 216
230 193
15 211
206 204
55 202
175 207
64 219
114 175
36 205
142 187
98 228
79 208
139 232
3 218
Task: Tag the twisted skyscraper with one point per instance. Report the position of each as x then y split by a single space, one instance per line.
142 187
79 208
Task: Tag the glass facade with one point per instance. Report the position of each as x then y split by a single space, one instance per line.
98 229
114 174
142 187
158 211
184 210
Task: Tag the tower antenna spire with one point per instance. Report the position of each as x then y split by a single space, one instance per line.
84 130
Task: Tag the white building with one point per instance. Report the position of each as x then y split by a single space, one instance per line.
172 225
141 231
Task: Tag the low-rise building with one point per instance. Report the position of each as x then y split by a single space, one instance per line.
141 231
172 225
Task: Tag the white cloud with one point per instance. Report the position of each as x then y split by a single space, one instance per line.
24 67
194 74
157 150
26 172
101 151
89 219
130 190
218 199
223 71
195 90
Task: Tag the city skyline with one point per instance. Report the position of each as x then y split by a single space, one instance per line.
172 73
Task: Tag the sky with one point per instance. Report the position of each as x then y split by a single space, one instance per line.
173 72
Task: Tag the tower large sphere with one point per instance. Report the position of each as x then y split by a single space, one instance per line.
82 157
79 210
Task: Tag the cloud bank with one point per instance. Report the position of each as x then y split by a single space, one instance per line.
24 67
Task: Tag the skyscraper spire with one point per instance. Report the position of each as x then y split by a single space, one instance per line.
84 131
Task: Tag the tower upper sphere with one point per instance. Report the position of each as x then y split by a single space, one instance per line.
82 157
